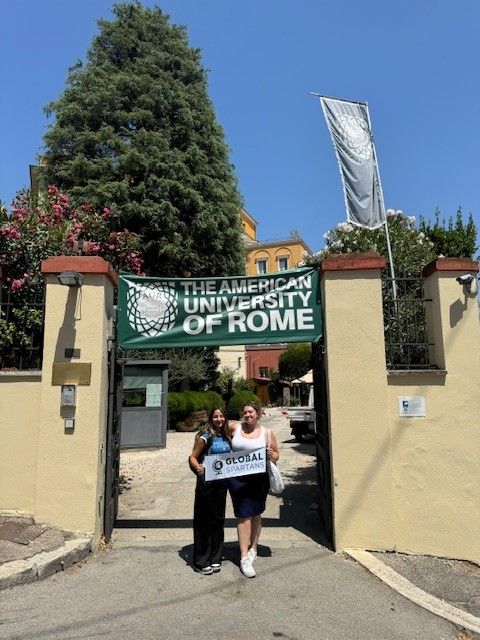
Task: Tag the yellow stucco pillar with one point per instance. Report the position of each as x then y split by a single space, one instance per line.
437 457
363 509
71 451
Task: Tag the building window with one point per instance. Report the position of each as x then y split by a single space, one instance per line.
263 371
262 266
282 263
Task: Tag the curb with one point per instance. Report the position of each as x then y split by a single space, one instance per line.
407 589
45 564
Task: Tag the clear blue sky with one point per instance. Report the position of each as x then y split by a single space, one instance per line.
415 62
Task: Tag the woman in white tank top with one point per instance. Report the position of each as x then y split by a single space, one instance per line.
249 493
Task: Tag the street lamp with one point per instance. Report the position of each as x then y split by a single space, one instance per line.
70 278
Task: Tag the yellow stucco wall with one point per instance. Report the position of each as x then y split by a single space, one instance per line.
410 484
70 479
294 250
436 459
19 411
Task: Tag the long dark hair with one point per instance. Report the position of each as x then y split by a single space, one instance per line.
209 428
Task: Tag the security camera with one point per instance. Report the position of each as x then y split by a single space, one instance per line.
469 282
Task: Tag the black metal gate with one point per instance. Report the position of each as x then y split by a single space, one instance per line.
112 471
323 444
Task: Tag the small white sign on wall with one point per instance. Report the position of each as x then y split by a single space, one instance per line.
411 406
154 395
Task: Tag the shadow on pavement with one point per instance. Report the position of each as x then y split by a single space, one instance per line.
230 553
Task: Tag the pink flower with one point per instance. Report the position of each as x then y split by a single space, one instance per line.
10 232
58 208
106 213
52 190
94 247
17 284
64 198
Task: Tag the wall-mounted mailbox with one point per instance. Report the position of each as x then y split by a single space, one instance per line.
68 395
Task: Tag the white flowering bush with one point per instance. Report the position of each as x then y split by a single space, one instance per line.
411 249
404 318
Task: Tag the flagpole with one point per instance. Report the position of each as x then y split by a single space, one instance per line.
380 190
390 259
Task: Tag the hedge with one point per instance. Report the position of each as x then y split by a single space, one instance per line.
238 401
182 403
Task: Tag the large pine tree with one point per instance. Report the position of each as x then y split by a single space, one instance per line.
135 131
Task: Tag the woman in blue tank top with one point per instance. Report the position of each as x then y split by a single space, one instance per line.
210 497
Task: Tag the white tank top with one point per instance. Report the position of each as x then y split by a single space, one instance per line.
240 443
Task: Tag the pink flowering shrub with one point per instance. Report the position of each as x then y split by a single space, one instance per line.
51 226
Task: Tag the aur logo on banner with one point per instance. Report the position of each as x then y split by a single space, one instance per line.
229 465
152 308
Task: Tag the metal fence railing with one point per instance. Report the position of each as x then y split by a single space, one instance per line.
21 329
406 339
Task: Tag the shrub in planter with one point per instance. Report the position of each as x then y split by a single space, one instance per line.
214 400
188 410
238 401
177 409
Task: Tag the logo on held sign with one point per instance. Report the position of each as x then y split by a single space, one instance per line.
217 467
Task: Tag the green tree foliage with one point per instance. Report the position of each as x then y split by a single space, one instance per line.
229 382
135 131
455 238
295 360
192 368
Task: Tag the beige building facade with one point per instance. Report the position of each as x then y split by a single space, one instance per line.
233 357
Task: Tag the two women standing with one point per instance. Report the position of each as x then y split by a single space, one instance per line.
248 493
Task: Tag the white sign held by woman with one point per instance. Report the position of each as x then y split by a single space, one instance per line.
240 463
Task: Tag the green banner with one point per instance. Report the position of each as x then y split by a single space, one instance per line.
174 312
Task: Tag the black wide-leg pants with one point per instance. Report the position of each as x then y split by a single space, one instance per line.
209 522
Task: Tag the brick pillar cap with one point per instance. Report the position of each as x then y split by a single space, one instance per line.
82 264
353 261
450 264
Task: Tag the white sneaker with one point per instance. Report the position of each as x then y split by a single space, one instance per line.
246 568
252 555
205 571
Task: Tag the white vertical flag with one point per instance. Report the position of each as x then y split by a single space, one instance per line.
349 126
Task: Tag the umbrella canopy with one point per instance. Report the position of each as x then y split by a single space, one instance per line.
307 378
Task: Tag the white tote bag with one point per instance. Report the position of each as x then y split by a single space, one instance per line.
274 476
